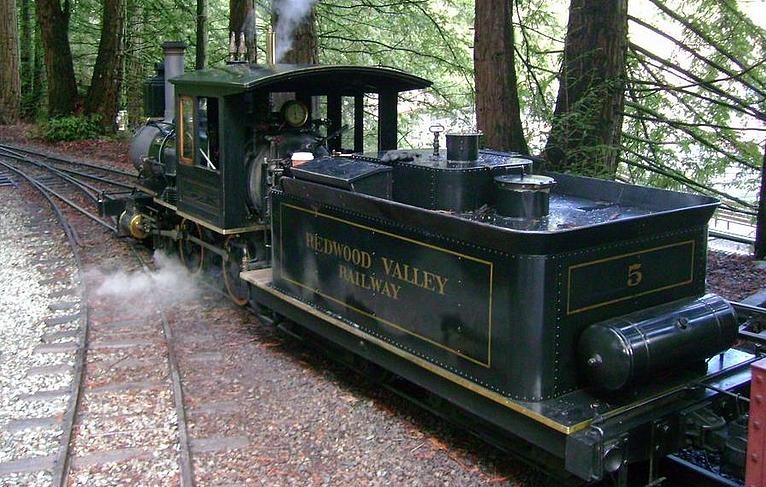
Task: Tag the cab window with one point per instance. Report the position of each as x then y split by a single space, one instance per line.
199 132
207 130
186 130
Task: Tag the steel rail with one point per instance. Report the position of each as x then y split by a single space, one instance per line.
63 198
99 178
88 190
63 160
185 462
60 471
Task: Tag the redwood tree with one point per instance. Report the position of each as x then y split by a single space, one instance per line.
53 19
104 92
587 122
242 26
26 51
305 46
498 112
200 60
10 83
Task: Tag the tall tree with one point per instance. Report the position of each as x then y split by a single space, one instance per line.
135 72
202 34
302 37
37 93
242 28
104 92
759 246
53 19
498 112
10 84
26 51
587 122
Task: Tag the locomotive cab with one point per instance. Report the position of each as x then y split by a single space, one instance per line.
232 119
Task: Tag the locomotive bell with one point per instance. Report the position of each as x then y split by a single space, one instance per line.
523 195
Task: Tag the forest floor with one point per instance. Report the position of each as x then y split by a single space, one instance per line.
733 276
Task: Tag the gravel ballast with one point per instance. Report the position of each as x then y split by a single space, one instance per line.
35 362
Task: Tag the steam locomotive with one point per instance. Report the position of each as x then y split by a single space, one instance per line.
563 311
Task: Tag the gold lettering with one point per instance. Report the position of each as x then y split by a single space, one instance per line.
441 282
413 275
342 251
387 265
370 283
635 276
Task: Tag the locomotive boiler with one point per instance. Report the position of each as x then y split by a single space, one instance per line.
563 311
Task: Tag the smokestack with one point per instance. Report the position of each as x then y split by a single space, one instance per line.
174 67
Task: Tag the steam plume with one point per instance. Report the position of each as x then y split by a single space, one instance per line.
169 283
290 13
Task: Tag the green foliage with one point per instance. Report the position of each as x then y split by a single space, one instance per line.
694 106
69 128
694 118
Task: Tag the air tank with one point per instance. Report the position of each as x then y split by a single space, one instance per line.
634 348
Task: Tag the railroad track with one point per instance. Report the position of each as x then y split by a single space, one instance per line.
100 346
112 176
55 182
65 334
123 354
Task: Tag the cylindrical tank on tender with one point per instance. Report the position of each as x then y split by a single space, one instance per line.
633 348
463 147
523 195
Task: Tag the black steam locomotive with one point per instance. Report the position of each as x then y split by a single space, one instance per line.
564 311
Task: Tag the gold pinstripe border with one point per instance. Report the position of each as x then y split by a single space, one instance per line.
316 213
625 298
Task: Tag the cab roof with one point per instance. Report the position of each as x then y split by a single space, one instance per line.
314 79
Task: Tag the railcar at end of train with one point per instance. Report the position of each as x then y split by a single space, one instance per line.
566 312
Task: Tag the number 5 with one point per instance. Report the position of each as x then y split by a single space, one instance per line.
635 276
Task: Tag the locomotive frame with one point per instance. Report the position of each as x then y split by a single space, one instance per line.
399 260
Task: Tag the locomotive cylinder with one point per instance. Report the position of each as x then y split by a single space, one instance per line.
633 348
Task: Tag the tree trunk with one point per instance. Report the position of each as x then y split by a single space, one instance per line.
304 45
134 67
760 224
242 28
587 122
53 18
37 96
202 35
498 112
26 51
10 83
104 92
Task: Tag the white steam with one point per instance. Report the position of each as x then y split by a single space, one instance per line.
169 283
291 14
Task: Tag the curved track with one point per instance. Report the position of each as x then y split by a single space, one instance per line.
55 182
61 463
59 185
